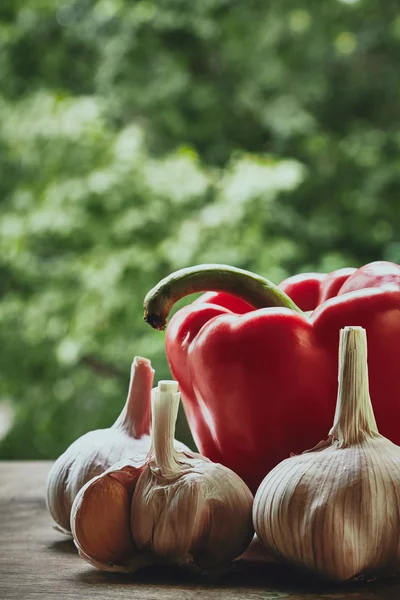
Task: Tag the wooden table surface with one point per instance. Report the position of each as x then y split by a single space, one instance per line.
37 562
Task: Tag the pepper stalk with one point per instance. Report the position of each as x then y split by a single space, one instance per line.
254 289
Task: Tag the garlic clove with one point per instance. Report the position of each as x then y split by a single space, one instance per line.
100 518
229 531
71 471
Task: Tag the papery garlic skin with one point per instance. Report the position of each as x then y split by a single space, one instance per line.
200 517
187 510
335 510
100 519
101 514
175 507
96 451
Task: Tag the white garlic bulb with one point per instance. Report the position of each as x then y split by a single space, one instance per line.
186 509
96 451
334 510
178 507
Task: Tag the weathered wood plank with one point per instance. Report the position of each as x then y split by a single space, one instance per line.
37 562
23 480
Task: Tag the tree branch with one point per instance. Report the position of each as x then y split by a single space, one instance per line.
102 368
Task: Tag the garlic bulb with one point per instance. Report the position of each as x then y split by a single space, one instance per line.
334 510
178 507
185 508
96 451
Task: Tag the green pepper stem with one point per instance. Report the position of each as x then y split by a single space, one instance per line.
354 417
255 290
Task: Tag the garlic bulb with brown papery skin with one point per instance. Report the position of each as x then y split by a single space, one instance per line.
176 508
96 451
334 510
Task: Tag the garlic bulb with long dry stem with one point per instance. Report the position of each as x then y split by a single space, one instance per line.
185 508
178 508
335 510
96 451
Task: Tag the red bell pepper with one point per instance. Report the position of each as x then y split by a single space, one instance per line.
258 376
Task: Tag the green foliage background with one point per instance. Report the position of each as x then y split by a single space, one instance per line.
138 137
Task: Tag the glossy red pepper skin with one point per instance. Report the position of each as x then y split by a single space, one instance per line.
258 385
309 290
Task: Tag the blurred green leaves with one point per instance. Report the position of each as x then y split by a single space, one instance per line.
90 223
139 137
